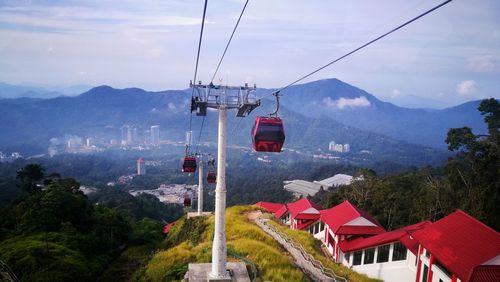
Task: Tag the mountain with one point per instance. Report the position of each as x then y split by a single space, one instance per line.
18 91
102 111
352 106
416 102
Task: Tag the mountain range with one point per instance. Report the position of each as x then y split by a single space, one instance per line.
314 114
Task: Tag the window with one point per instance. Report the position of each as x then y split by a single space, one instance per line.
330 239
347 257
426 271
321 226
357 258
399 252
369 256
383 253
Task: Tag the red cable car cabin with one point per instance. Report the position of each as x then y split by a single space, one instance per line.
211 177
189 164
268 134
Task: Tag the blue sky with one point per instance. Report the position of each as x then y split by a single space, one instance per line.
451 55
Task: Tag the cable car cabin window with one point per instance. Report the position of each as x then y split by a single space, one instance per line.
270 132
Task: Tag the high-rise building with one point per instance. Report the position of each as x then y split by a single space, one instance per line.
141 167
135 135
189 138
126 134
88 142
341 148
155 135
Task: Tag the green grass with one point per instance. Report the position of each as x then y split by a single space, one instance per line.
190 241
243 237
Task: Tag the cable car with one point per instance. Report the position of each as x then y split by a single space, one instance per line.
187 201
211 177
268 134
189 164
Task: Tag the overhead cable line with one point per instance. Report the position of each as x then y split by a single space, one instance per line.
220 62
195 73
229 42
362 46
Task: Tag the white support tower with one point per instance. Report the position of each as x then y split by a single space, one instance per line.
222 98
200 187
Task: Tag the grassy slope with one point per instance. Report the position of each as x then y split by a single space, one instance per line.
190 241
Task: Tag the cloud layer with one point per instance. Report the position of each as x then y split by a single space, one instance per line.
343 103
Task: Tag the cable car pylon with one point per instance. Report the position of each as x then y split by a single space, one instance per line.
223 98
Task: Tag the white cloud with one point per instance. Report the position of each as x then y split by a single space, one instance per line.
467 88
395 93
171 106
483 63
343 103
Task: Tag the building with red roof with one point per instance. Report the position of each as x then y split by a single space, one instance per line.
270 207
389 256
302 213
345 221
458 246
455 248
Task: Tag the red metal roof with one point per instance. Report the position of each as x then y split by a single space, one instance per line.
486 273
343 213
281 212
460 243
270 207
359 230
167 227
402 235
301 205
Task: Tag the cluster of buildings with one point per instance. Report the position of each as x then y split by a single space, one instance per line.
340 148
308 188
131 135
9 158
455 248
171 193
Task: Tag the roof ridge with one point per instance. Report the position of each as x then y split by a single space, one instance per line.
474 219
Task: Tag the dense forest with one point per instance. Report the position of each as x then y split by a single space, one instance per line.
469 181
53 232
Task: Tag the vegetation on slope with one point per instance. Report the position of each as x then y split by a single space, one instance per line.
53 233
244 238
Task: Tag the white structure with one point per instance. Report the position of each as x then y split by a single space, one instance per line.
336 180
155 135
141 167
200 186
243 100
302 187
88 142
341 148
189 138
307 188
126 134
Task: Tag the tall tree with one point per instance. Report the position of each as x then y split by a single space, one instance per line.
474 173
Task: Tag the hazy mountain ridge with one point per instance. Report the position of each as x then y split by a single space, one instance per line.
355 107
102 110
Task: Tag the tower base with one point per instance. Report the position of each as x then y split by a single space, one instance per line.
198 272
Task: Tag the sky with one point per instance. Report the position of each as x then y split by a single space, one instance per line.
451 55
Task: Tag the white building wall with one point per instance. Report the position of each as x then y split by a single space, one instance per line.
391 271
437 273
